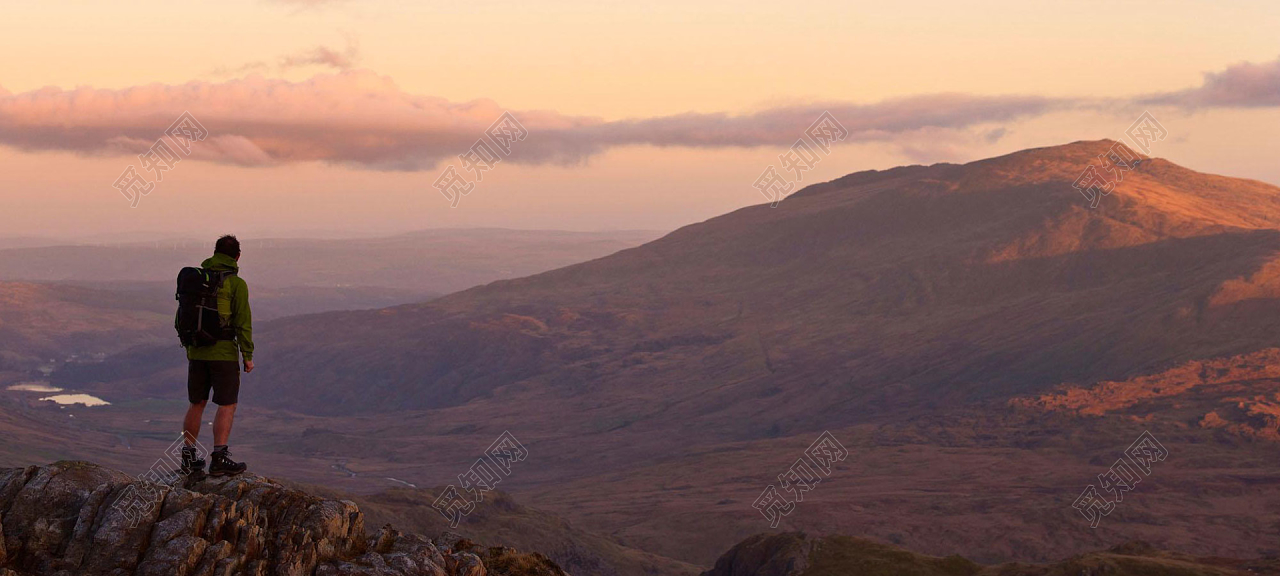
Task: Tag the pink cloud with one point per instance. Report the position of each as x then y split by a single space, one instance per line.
360 118
355 116
1244 85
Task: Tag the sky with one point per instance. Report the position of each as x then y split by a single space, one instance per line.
309 117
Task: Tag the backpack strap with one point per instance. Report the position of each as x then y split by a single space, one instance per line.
221 275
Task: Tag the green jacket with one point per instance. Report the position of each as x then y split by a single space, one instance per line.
233 308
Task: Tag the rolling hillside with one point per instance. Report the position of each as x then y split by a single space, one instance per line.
974 333
916 286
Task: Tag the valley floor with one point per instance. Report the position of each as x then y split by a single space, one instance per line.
993 488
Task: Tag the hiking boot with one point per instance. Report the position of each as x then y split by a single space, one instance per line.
191 461
223 465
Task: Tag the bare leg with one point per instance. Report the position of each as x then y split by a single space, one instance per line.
222 424
191 424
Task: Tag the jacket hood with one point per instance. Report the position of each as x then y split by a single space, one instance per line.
220 262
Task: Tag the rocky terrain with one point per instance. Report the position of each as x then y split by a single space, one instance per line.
1237 395
75 518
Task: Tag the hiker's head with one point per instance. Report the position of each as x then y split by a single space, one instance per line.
228 245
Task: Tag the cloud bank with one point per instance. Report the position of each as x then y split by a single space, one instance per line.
1244 85
359 118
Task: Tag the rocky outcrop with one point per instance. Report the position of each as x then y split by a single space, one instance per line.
76 518
785 554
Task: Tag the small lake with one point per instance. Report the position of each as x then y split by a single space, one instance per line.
33 387
68 399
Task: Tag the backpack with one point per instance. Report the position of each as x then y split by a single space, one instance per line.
198 322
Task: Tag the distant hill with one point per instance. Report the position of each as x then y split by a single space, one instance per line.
42 322
917 286
97 300
426 262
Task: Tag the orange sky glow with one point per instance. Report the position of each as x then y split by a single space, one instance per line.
340 116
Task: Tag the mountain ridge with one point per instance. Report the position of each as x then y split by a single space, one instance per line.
889 242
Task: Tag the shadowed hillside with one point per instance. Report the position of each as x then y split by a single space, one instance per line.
911 287
43 322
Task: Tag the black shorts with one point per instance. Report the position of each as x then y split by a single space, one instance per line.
221 376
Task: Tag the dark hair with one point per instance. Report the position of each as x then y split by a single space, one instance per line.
227 245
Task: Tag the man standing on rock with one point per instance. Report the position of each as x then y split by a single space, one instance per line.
215 367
